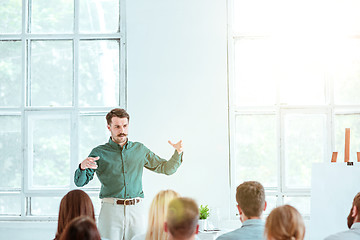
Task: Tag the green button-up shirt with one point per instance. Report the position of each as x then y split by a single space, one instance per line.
120 169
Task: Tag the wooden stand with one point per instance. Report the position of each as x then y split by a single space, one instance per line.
347 145
347 149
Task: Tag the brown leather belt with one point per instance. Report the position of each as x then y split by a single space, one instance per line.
128 201
131 201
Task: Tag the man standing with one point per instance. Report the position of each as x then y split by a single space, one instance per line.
119 166
250 197
353 222
182 219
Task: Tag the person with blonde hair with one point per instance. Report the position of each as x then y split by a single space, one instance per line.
284 223
157 216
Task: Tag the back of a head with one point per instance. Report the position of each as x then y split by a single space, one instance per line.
351 218
74 204
81 228
284 223
182 218
158 213
250 197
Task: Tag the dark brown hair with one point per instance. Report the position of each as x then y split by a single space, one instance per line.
81 228
116 112
251 198
285 223
74 204
182 217
350 218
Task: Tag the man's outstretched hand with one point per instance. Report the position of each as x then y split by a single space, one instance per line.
89 162
178 146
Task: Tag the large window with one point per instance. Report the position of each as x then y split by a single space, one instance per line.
294 76
62 67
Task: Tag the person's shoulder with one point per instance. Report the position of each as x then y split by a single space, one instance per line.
97 150
256 232
333 237
348 234
101 146
137 145
235 234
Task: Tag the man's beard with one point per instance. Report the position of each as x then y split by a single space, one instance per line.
350 218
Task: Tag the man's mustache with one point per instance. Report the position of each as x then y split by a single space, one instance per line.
122 135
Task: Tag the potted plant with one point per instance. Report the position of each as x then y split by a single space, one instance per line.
204 213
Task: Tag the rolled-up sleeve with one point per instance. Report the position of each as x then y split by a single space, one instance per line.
160 165
83 177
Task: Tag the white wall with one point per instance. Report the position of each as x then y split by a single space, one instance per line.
177 89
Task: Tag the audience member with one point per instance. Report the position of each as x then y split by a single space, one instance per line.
157 216
81 228
284 222
182 219
353 222
250 197
74 204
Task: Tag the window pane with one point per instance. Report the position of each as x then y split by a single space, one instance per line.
99 73
10 73
50 151
267 17
301 79
51 73
52 16
342 122
348 17
305 143
45 206
254 86
271 204
255 149
99 16
253 17
301 203
10 205
92 132
345 70
10 152
10 12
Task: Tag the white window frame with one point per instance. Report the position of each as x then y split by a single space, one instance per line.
74 111
279 110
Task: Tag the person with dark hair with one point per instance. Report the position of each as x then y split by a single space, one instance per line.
353 222
81 228
250 197
74 204
182 219
284 222
119 166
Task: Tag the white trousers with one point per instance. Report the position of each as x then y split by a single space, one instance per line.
121 222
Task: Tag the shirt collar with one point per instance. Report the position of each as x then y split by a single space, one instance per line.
356 225
253 222
127 145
